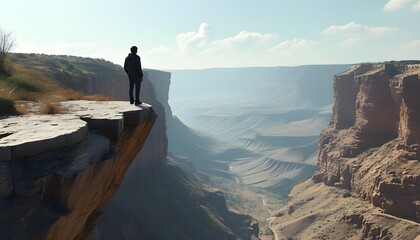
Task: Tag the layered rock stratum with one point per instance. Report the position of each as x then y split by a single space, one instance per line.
367 185
57 171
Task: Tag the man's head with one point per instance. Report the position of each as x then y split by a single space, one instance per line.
133 49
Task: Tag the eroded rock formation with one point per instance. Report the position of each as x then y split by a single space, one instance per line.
370 152
57 171
372 144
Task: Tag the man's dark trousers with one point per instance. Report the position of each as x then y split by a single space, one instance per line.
137 83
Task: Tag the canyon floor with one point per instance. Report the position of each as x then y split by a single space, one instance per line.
252 132
316 211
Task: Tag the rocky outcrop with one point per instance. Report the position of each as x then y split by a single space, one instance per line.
368 153
57 171
114 83
372 143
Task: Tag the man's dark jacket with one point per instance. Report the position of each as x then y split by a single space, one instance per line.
132 67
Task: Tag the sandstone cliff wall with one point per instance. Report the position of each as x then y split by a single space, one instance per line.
367 184
372 145
57 171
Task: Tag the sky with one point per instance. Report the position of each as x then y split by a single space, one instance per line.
198 34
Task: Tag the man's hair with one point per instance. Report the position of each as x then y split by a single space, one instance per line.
133 49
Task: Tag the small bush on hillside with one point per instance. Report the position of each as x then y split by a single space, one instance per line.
7 106
52 63
20 55
20 83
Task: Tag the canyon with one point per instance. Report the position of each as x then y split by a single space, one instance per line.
257 126
252 128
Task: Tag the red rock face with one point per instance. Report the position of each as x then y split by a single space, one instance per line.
344 115
376 110
409 127
372 145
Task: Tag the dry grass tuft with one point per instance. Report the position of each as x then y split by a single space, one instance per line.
50 108
73 95
97 97
22 110
39 86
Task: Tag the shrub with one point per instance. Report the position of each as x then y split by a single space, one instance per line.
50 108
20 83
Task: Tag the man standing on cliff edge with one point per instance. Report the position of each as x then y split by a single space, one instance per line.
132 67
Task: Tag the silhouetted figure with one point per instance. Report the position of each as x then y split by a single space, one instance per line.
132 67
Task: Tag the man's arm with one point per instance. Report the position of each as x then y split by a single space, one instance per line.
126 66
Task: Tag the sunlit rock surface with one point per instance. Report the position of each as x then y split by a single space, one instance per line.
367 185
386 123
56 171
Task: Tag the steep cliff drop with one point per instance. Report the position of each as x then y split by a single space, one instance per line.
148 206
57 171
159 200
367 185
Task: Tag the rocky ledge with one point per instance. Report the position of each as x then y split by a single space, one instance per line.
56 171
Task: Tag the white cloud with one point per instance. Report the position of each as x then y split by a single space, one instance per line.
392 5
396 4
200 41
159 50
292 45
192 40
352 33
348 28
413 44
416 6
243 37
353 28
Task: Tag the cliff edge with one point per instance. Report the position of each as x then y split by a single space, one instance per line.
57 171
370 152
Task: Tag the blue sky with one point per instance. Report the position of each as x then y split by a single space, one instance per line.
187 34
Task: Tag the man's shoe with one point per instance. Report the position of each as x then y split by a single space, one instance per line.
138 103
131 101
